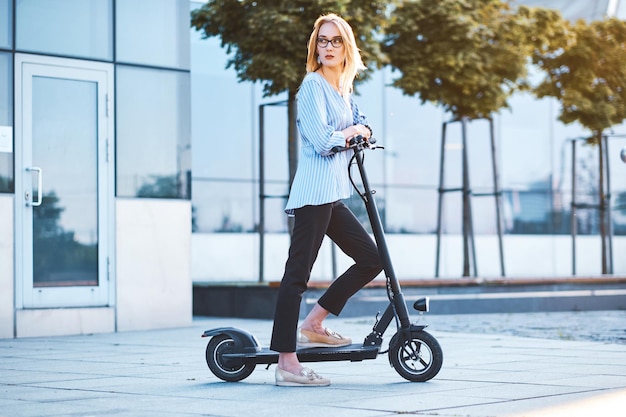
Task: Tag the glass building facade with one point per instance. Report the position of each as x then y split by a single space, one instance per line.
95 164
533 151
152 71
121 132
174 106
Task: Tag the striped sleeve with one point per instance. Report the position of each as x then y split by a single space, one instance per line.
316 118
358 117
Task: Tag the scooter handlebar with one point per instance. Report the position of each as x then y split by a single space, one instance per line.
355 142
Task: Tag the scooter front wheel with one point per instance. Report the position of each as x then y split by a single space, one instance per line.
230 370
418 359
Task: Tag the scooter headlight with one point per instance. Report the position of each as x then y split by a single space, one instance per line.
422 304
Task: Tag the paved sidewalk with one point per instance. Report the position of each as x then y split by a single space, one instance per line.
489 370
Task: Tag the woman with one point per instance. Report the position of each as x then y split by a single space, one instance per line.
327 117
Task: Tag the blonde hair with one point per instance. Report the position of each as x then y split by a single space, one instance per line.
353 62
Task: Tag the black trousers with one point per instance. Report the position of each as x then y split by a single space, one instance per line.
312 223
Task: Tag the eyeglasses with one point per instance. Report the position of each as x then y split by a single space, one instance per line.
335 42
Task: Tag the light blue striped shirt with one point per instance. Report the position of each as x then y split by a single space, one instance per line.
321 177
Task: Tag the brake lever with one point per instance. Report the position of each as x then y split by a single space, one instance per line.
356 141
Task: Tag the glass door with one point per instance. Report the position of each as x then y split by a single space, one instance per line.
63 181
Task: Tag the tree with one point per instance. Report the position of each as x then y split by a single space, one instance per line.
585 71
469 57
266 41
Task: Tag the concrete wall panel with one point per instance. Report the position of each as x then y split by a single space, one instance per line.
153 269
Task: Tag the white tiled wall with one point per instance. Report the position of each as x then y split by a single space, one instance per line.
217 257
6 266
64 321
153 263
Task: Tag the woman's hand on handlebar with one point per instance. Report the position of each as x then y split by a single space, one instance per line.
354 131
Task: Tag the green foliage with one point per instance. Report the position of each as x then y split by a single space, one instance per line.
547 31
46 217
6 184
267 39
585 71
161 186
468 56
58 256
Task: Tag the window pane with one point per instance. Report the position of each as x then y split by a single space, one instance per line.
147 33
65 27
411 135
230 120
6 20
276 198
6 124
224 206
64 144
275 140
413 210
153 139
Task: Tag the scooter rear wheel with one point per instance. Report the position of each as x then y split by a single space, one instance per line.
226 369
418 359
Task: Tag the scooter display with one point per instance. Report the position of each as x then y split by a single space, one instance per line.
232 353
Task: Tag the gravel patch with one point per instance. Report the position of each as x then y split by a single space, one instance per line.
599 326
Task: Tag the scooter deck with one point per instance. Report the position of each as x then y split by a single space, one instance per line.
353 353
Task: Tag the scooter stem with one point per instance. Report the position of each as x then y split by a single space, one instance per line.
379 235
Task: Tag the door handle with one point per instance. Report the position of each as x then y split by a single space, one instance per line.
39 187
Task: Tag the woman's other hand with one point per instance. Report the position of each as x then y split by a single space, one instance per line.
356 130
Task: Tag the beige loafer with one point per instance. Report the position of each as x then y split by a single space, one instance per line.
307 339
306 378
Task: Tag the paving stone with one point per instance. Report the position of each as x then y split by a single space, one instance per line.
494 365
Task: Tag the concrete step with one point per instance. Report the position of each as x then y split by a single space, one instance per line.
447 296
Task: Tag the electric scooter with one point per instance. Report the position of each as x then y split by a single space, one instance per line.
232 354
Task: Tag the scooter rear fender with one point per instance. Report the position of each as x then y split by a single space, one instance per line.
245 342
